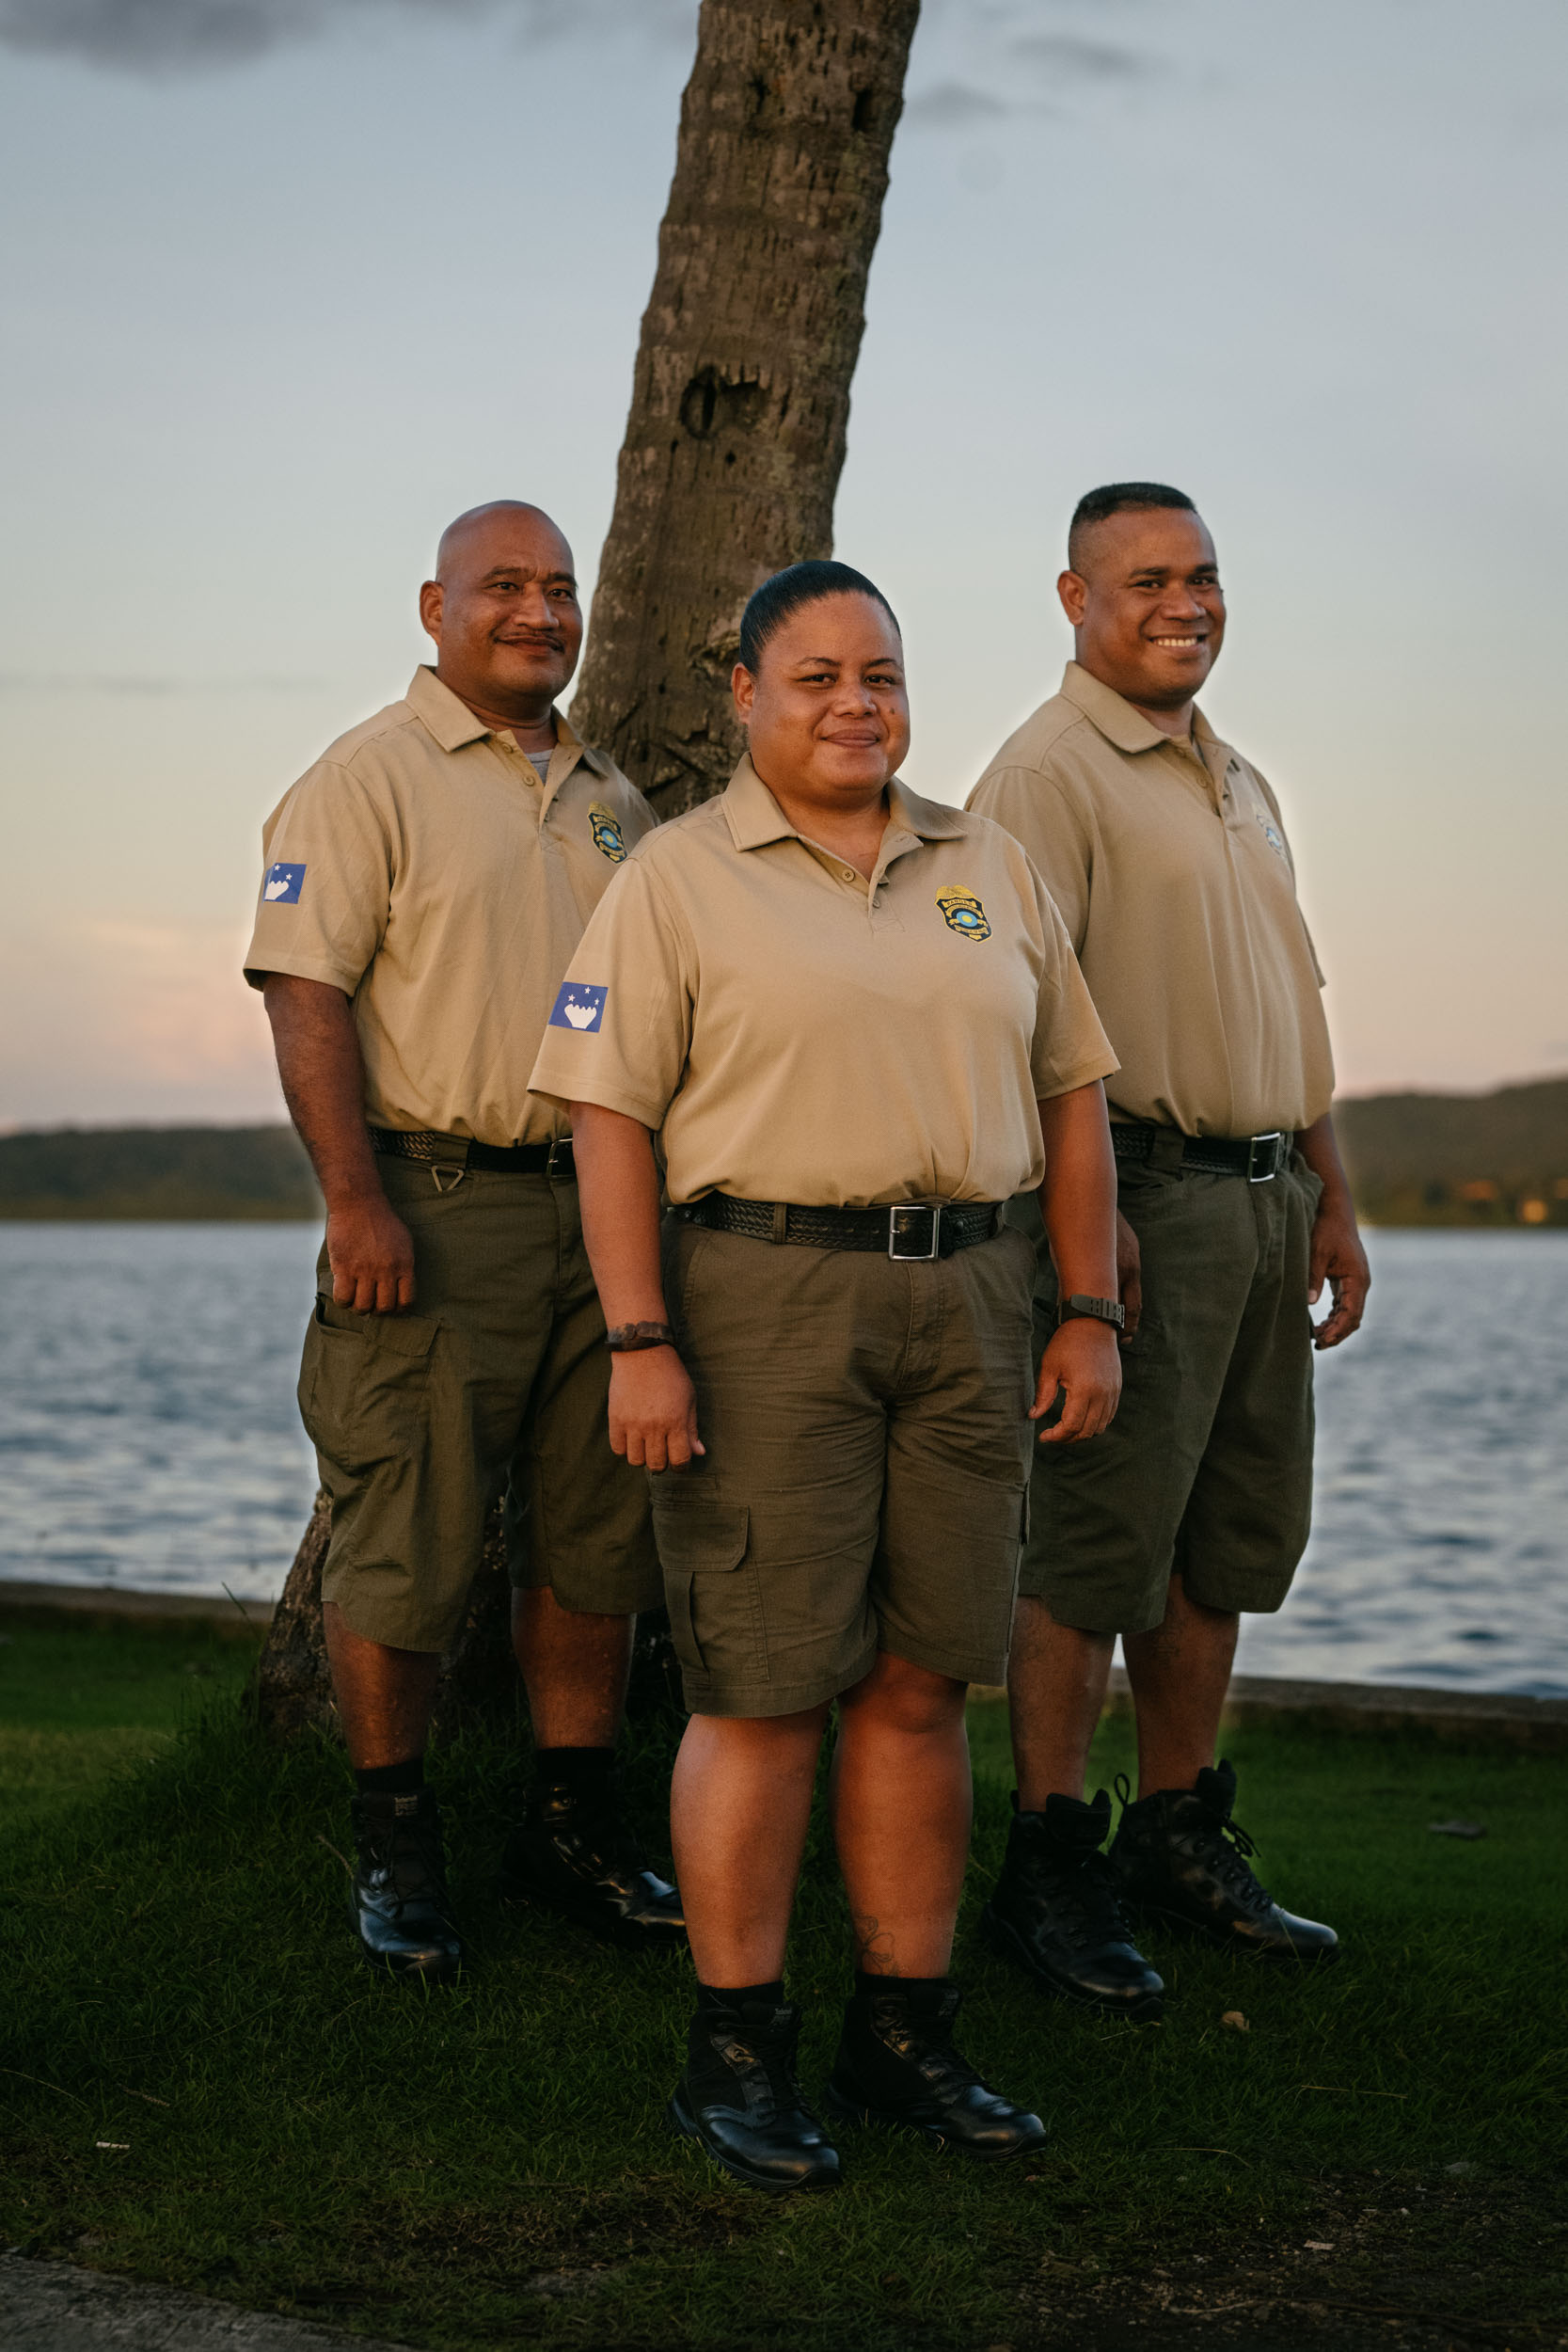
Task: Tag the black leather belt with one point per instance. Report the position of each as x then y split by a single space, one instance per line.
908 1231
512 1159
1258 1158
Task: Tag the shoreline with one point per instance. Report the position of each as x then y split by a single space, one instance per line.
1512 1717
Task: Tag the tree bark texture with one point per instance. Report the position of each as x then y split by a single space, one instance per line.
292 1688
741 399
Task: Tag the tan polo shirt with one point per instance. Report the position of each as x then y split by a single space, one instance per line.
424 867
793 1033
1173 876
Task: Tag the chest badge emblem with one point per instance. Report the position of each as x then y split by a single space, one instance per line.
1270 832
608 837
962 913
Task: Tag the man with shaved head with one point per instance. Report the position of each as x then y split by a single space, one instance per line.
1165 852
425 886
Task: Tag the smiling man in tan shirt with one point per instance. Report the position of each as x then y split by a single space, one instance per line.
425 886
1165 853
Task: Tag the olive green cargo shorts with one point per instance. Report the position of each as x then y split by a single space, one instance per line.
496 1381
1207 1468
866 1483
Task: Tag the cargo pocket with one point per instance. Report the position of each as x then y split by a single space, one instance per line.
364 1383
713 1596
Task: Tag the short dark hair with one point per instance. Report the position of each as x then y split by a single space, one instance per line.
1115 498
791 591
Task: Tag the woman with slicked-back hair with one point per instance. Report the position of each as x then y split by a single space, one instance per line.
847 1023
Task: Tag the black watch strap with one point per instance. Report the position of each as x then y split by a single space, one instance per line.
1094 1309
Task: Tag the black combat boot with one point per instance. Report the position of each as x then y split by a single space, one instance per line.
1055 1910
896 2065
575 1855
399 1900
738 2097
1182 1862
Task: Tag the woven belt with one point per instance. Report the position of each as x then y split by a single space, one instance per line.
1258 1158
906 1230
512 1159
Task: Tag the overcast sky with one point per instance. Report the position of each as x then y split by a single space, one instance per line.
289 282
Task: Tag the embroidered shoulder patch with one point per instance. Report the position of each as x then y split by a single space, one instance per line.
608 837
962 913
281 886
578 1006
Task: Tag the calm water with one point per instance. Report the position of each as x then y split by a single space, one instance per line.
148 1437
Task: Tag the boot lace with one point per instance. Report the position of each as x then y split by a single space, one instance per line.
946 2069
773 2057
601 1833
1083 1892
927 2042
409 1851
1227 1848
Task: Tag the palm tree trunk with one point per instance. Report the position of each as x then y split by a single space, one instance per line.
741 399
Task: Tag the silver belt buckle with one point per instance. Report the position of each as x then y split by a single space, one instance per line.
1255 1173
903 1225
561 1168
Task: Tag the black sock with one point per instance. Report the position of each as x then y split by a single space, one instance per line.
391 1780
712 1997
584 1773
920 1991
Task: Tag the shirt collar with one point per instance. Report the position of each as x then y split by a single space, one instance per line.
1203 733
1115 718
448 717
756 819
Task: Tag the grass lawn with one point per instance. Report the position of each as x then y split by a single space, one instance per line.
81 1702
1379 2157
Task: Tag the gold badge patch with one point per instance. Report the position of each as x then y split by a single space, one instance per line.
962 913
608 835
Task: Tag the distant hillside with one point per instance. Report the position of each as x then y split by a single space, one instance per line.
174 1173
1415 1159
1460 1159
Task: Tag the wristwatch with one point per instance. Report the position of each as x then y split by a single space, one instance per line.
1095 1309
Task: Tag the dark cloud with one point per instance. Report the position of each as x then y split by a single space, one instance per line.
1068 57
947 105
163 37
990 58
986 42
151 36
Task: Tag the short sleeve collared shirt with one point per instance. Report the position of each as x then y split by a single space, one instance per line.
1170 866
793 1033
424 867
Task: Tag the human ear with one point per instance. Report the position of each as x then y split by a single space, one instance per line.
743 686
430 608
1074 590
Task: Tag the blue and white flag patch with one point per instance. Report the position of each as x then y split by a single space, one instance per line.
580 1005
281 885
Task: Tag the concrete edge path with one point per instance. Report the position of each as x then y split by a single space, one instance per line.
54 2306
116 1601
1501 1715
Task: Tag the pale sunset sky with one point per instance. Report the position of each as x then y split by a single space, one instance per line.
289 282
